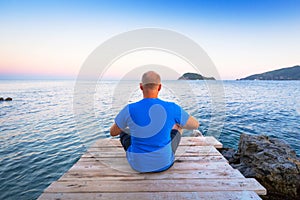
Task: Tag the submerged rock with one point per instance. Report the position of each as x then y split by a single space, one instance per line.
272 162
8 99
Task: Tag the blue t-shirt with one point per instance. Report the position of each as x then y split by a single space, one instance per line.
150 122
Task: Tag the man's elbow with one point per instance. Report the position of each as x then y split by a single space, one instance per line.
114 130
110 132
195 125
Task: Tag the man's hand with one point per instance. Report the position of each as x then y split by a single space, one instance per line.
115 130
178 127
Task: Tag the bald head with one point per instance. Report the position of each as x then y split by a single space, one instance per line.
150 84
151 77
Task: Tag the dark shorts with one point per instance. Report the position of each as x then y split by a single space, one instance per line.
125 139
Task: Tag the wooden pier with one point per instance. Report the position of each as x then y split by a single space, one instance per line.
200 172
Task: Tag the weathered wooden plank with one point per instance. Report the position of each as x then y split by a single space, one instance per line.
104 155
181 158
216 195
181 151
180 148
190 141
97 155
201 141
205 158
121 164
187 185
112 174
107 142
179 166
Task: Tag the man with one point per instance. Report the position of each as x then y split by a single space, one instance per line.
155 128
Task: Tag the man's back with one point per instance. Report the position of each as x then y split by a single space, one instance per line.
155 128
150 122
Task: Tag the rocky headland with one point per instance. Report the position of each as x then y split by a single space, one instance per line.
194 76
270 161
289 73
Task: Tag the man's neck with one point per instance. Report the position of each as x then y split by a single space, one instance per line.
150 95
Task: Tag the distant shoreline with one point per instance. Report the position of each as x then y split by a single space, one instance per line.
283 74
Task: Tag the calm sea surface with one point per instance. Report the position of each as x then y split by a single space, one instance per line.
47 126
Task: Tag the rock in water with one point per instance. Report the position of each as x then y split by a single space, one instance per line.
8 99
194 76
1 99
273 163
230 154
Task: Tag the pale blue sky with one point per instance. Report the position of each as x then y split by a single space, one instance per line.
53 38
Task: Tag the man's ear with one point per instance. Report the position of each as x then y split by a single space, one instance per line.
141 86
159 87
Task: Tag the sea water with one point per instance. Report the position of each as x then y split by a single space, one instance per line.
47 127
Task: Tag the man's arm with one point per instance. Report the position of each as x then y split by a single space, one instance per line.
115 130
191 123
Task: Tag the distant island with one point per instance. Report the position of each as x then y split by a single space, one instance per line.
194 76
289 73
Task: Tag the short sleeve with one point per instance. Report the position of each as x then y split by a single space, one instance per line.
122 118
181 116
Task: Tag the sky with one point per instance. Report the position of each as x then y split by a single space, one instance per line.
53 39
